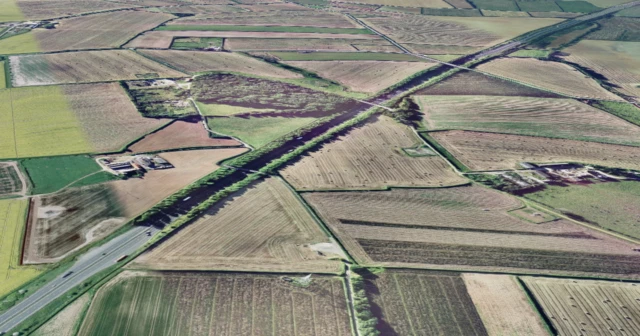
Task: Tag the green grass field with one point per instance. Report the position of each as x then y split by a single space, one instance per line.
273 29
187 43
9 11
450 12
612 205
3 78
578 6
344 56
625 111
538 6
19 44
221 110
530 53
501 5
38 121
52 173
257 131
13 215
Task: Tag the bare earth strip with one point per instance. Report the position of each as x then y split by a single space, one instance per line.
503 305
556 118
274 18
262 228
199 61
91 213
180 134
585 307
364 76
85 66
618 61
491 151
107 116
370 157
98 31
554 76
163 39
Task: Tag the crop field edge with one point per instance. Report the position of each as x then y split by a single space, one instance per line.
537 307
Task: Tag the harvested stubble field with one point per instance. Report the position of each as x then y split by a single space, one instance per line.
273 29
422 303
91 213
261 228
370 157
37 9
180 134
171 303
200 61
10 181
84 67
585 307
162 39
288 99
465 228
555 118
432 49
619 62
273 18
98 31
12 221
65 322
107 117
503 305
340 56
554 76
71 119
458 31
493 151
476 84
311 44
197 9
364 76
612 206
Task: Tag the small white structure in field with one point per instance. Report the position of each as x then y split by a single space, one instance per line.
304 281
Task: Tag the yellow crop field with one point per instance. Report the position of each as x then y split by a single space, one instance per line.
553 76
264 227
7 143
19 44
584 307
12 221
9 11
43 123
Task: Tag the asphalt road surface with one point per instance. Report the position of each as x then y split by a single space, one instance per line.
89 264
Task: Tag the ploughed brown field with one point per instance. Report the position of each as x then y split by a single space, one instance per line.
180 134
199 61
261 228
62 222
493 151
370 156
206 303
470 228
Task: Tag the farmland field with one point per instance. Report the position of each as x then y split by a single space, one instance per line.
370 157
459 31
311 44
491 151
98 31
170 303
12 221
199 43
10 182
423 303
619 62
617 29
179 134
611 206
232 235
472 83
222 110
9 11
200 61
272 18
274 29
363 76
65 321
19 44
3 78
343 56
162 101
288 99
625 111
405 3
470 228
50 174
257 131
162 39
554 76
37 9
91 213
84 66
556 118
503 305
588 307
